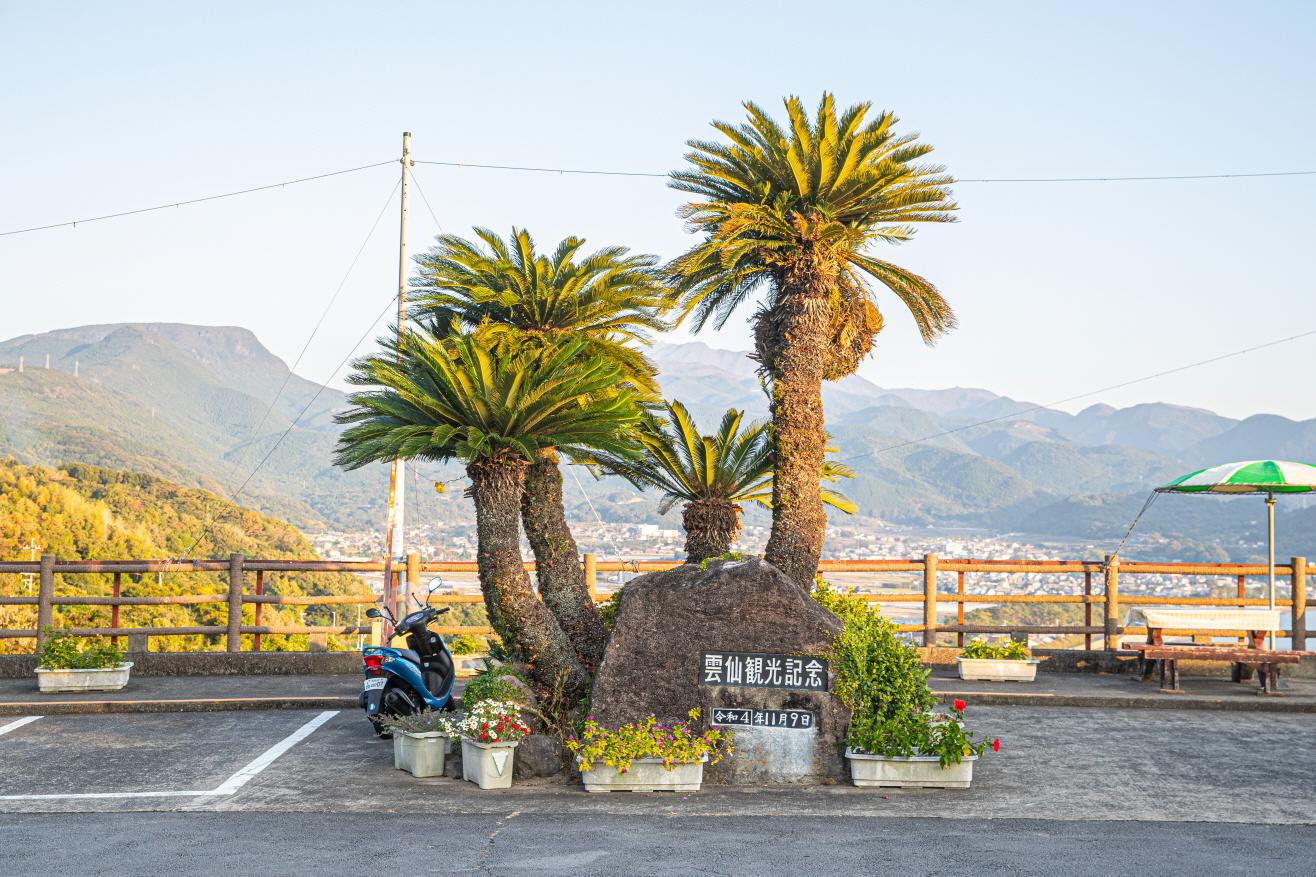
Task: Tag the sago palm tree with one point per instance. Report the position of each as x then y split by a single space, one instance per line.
519 300
712 474
791 213
440 399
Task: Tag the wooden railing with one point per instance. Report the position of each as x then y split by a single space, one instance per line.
1112 575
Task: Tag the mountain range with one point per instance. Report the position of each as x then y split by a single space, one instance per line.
194 404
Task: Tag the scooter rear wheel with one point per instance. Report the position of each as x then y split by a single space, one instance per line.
395 701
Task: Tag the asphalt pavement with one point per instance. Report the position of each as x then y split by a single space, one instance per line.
514 843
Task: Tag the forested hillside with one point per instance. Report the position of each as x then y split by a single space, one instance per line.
87 513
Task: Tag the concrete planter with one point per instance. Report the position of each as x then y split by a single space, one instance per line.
646 775
488 765
107 679
421 755
998 669
918 772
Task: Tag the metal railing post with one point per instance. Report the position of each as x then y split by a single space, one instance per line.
1112 602
234 636
929 599
45 594
1298 624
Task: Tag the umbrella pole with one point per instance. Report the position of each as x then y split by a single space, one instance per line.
1270 532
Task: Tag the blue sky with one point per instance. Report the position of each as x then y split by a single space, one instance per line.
1060 288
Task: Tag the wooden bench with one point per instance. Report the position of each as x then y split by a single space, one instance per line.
1166 658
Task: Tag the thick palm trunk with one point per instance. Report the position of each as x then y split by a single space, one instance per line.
557 561
794 343
710 528
524 623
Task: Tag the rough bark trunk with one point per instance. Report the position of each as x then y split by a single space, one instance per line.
710 528
794 341
526 626
557 561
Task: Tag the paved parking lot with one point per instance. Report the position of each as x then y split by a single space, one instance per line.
1117 786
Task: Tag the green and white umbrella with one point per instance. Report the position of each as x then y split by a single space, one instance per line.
1264 477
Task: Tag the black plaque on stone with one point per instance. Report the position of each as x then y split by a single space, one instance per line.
755 670
741 717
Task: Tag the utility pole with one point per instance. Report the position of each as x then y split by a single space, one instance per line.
394 528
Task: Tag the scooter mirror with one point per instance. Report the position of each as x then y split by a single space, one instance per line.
374 613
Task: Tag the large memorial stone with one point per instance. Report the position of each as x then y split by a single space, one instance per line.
688 637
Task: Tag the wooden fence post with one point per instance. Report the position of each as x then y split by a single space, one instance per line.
1298 627
1112 602
1087 608
45 594
260 590
959 609
413 581
592 576
929 599
114 610
235 563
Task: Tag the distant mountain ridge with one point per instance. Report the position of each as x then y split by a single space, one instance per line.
185 402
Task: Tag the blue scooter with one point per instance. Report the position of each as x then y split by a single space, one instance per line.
399 682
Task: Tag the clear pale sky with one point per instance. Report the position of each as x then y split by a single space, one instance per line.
1060 288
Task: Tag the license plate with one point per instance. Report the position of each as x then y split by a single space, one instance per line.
375 684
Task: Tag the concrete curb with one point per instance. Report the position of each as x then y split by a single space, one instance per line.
173 705
1166 702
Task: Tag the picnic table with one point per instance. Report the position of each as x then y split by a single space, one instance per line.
1156 654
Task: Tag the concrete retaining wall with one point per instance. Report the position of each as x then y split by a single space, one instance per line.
214 664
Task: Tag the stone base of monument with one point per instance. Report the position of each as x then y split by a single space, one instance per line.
764 637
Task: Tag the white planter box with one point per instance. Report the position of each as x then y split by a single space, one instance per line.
488 765
998 669
646 775
108 679
919 772
421 755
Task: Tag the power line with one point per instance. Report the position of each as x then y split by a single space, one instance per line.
307 407
75 222
333 298
1107 179
416 179
1049 405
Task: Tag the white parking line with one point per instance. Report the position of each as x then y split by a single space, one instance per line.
16 724
228 787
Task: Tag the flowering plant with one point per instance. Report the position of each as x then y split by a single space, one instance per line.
924 733
423 722
1005 650
493 721
674 744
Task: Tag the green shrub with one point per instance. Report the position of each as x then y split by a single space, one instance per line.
492 683
884 683
730 555
608 608
468 644
61 651
1002 650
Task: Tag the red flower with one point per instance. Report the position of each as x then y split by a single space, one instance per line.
484 736
996 745
958 705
